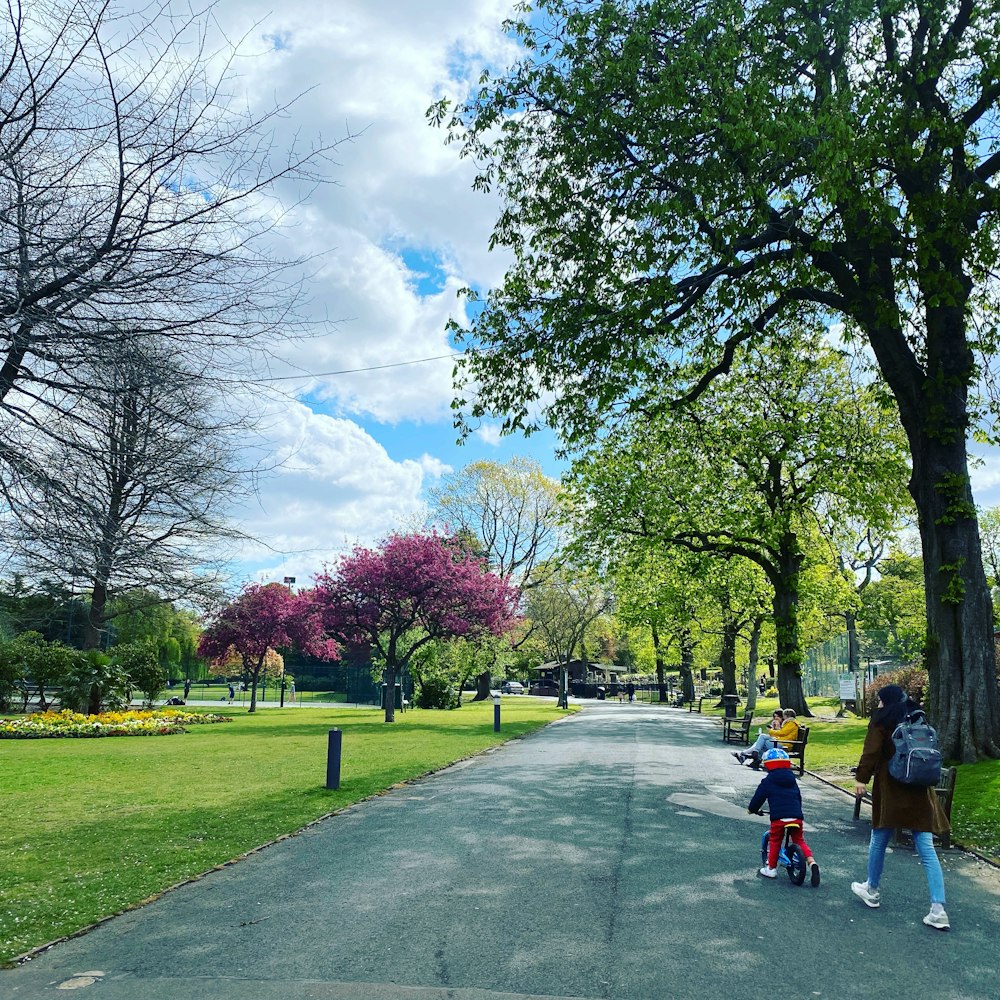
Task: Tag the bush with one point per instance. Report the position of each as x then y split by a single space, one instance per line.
912 679
141 663
436 691
93 683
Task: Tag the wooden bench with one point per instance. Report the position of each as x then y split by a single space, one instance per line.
945 789
691 707
737 730
796 749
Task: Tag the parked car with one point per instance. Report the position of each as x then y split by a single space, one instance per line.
512 687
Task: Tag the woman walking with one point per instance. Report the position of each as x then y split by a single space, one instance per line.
897 805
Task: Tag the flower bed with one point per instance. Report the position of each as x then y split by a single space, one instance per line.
46 725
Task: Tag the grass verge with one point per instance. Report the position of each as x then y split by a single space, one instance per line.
93 827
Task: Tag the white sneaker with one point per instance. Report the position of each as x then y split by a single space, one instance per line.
938 920
870 897
769 872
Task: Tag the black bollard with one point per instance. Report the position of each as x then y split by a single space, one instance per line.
333 759
496 713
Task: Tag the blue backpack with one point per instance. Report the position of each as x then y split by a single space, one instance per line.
917 760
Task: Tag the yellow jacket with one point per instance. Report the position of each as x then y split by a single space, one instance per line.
787 734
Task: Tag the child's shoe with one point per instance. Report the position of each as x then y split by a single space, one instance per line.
813 873
870 897
769 872
938 920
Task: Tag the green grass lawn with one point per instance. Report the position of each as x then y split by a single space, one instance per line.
94 826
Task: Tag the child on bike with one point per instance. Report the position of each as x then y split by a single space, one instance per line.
781 792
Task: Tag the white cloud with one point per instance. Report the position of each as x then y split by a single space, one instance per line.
367 69
489 434
332 486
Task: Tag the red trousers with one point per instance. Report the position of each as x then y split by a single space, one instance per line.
777 835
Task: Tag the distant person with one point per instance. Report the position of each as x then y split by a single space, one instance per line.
291 691
630 690
781 792
232 694
894 804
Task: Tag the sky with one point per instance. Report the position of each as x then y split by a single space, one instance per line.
396 229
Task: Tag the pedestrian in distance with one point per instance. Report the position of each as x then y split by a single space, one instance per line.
895 805
232 694
780 791
631 691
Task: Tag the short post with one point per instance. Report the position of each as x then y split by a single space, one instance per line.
496 712
333 747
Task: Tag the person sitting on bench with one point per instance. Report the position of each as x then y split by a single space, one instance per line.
783 732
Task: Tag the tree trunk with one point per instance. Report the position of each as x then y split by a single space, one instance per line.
786 626
755 629
963 702
254 677
853 650
483 686
687 666
727 655
93 627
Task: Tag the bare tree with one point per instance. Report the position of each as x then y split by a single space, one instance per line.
146 469
136 201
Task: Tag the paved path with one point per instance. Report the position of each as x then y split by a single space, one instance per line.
608 856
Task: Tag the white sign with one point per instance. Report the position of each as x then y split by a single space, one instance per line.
848 692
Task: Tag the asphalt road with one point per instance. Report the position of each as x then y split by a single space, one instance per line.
608 856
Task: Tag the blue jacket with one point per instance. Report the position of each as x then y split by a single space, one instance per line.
781 792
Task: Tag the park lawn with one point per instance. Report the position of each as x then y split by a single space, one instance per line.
91 827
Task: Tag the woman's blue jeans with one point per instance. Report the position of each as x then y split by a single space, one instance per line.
924 843
762 743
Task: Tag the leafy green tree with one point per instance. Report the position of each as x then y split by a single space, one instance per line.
892 610
677 177
563 608
141 663
743 471
509 512
93 682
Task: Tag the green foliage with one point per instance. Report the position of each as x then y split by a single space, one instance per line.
893 614
93 683
436 690
141 664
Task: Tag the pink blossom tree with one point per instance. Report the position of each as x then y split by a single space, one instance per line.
412 590
263 619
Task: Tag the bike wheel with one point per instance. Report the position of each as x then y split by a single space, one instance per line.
796 864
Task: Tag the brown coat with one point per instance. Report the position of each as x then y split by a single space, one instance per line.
893 803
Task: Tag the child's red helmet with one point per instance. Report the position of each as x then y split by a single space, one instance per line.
775 758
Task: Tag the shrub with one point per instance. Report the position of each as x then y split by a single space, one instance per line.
436 691
912 679
141 662
93 683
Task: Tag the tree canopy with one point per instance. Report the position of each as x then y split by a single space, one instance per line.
411 590
677 177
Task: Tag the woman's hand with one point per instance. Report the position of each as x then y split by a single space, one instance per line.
859 789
